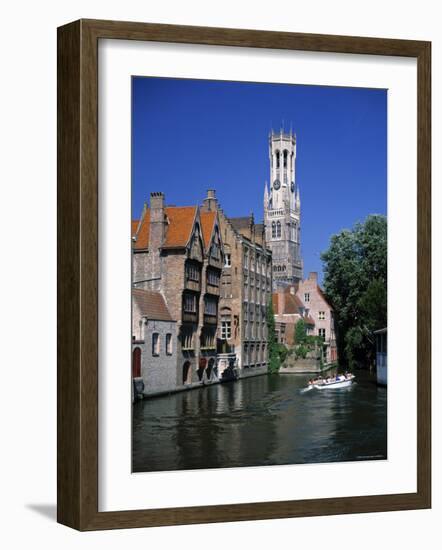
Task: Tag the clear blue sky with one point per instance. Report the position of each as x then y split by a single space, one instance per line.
192 135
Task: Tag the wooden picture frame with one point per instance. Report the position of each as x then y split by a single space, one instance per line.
78 274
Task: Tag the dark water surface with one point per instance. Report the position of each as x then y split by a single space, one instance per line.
260 421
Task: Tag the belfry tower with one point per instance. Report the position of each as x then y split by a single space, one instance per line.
282 210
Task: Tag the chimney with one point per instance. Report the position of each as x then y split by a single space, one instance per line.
210 203
157 233
313 276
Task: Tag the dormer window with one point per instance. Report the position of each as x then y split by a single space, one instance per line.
214 251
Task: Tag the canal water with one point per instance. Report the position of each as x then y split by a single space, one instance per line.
260 421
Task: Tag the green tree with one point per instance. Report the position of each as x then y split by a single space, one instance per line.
355 281
300 332
273 346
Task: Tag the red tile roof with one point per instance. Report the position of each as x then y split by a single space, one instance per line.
207 223
179 225
134 227
292 303
142 241
151 304
180 220
289 304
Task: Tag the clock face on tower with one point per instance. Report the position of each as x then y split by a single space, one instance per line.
276 185
292 186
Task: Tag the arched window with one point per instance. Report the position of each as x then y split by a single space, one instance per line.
155 344
273 230
277 159
169 344
285 157
278 229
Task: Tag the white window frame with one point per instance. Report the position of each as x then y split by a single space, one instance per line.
226 329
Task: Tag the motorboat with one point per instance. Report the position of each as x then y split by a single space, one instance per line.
340 381
334 383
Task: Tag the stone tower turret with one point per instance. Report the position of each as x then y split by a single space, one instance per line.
282 210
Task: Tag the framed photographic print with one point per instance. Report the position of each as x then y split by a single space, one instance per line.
243 225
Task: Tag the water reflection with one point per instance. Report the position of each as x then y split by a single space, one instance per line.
260 421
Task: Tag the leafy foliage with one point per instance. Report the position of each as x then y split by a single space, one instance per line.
300 332
305 344
274 356
355 281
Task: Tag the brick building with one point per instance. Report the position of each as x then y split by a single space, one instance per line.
178 252
288 310
246 285
311 295
305 300
154 357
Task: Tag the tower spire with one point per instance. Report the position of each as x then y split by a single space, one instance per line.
282 208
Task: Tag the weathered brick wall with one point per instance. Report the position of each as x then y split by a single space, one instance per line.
231 294
250 292
159 373
172 283
140 264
